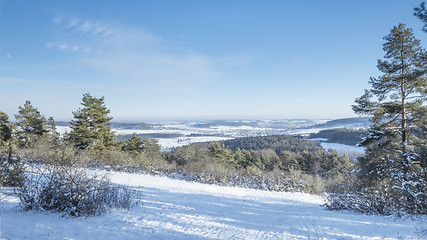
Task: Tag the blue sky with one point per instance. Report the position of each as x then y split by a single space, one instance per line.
157 60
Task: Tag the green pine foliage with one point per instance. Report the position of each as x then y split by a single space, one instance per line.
31 124
11 167
91 125
134 144
52 133
5 128
394 164
342 135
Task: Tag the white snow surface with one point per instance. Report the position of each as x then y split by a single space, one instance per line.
343 148
169 143
176 209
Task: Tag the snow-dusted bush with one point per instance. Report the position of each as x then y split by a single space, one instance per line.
351 195
72 191
11 170
367 201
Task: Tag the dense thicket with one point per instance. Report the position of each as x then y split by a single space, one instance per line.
342 135
267 153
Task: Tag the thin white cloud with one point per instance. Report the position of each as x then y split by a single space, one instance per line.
57 20
91 36
134 55
85 27
72 23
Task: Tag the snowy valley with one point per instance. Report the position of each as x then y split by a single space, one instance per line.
179 133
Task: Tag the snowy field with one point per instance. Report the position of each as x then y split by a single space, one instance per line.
175 209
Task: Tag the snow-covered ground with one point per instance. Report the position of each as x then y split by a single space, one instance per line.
343 148
169 143
352 151
175 209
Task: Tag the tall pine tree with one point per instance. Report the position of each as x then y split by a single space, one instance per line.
90 128
396 103
31 124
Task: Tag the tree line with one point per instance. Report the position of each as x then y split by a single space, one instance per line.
91 142
90 129
267 153
342 135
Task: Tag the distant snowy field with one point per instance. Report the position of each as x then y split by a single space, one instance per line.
169 143
175 209
342 148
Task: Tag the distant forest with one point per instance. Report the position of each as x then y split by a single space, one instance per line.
342 135
278 143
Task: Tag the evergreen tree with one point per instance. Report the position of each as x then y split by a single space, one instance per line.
31 124
241 159
134 144
222 154
54 135
288 161
152 149
5 128
396 104
335 165
90 128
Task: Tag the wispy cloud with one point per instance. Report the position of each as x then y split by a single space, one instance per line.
132 54
57 20
80 34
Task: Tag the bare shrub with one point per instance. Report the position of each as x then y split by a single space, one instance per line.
71 191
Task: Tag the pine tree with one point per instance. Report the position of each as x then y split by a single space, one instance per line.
240 158
90 128
31 124
396 104
54 135
222 154
5 128
134 144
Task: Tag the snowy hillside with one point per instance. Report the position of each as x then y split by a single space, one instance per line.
175 209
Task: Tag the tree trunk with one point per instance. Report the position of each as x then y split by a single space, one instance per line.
404 127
